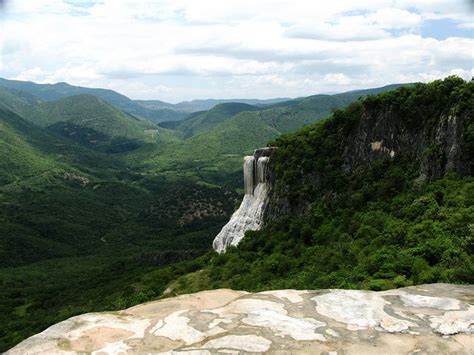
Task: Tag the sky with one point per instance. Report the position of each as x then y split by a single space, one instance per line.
175 50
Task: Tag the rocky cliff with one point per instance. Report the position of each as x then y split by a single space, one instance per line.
426 130
383 131
428 319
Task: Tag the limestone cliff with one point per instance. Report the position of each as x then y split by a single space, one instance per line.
427 319
427 130
381 132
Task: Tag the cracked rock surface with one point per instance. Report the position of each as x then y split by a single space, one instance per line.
434 319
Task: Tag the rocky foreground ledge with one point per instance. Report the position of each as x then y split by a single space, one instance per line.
434 319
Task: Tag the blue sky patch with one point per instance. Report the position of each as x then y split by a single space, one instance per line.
444 28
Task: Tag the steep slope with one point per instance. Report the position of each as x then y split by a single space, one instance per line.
94 123
18 155
91 111
19 102
35 166
53 92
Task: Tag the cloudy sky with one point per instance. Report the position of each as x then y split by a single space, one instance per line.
177 50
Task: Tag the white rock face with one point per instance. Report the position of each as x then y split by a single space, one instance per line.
454 322
359 310
419 301
176 327
249 216
414 320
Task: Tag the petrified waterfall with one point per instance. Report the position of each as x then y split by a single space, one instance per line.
249 216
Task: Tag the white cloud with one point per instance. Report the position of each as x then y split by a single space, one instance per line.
337 79
34 74
184 49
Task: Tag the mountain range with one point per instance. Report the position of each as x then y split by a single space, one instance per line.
154 110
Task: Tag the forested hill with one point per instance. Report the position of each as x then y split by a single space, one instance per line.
380 195
425 130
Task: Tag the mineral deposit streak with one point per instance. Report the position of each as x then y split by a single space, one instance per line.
249 216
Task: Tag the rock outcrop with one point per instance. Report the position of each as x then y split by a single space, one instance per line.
382 133
250 214
434 319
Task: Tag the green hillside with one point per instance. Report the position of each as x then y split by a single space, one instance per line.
19 103
29 150
71 217
365 220
206 120
91 111
95 123
18 155
88 120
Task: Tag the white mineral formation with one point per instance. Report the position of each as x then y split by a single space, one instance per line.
249 216
426 319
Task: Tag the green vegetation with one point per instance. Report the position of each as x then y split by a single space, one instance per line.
351 241
204 121
77 225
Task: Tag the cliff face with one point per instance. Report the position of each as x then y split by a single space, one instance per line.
427 131
382 133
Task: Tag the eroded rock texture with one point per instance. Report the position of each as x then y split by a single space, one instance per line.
434 319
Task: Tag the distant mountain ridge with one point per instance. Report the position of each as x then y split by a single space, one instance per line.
154 110
52 92
206 104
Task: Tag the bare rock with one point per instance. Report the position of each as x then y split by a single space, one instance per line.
435 318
